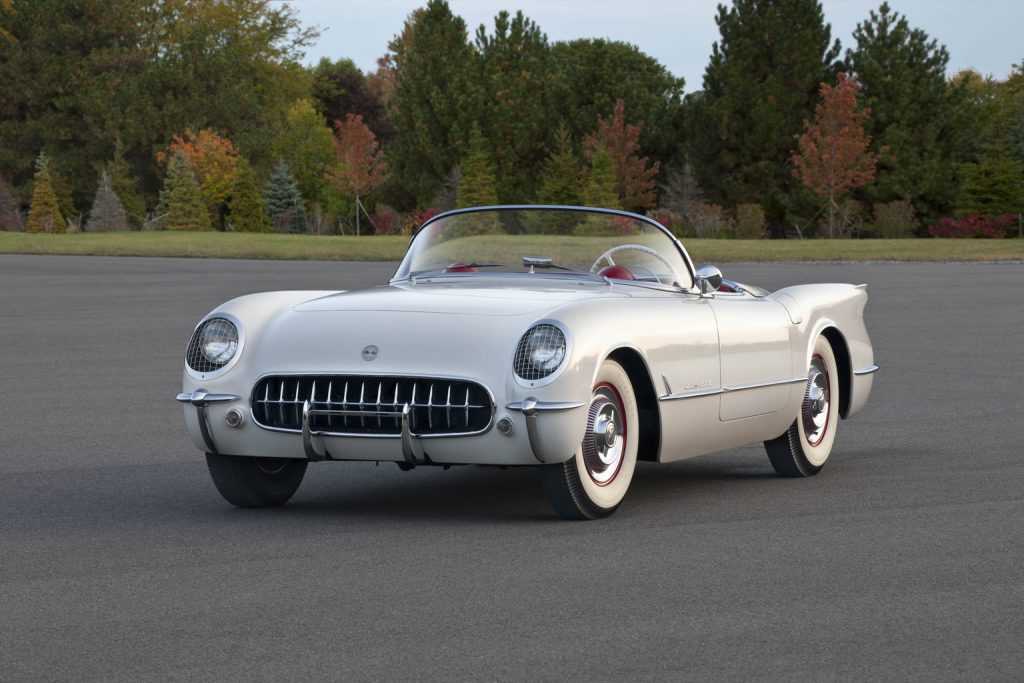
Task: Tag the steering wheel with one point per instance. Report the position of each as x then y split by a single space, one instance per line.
607 256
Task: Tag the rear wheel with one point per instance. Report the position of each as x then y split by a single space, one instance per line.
594 481
255 482
806 445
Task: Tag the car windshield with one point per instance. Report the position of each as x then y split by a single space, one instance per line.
549 241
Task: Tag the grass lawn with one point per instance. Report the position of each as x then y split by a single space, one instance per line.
335 248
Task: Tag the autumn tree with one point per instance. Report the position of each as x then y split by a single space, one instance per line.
44 213
107 213
759 86
634 179
247 209
181 201
214 162
833 155
477 185
360 165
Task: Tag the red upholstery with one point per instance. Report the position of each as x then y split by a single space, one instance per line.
617 273
726 288
460 268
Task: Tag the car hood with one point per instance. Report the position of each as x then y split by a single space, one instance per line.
459 299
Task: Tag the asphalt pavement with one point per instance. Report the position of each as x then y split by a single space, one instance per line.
903 559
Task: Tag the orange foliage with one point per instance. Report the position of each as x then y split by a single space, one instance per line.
214 160
634 180
361 166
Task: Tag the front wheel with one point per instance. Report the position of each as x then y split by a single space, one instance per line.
594 481
806 445
255 482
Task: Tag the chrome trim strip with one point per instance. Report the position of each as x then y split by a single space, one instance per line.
361 435
544 405
760 385
529 408
866 370
691 394
726 390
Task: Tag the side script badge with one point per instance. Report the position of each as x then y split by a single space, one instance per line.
369 352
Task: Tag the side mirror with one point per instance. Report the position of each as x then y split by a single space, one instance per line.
709 278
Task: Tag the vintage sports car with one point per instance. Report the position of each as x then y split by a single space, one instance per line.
577 341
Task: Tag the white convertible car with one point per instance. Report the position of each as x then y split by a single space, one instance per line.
576 341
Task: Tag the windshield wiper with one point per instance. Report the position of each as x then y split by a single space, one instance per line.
545 262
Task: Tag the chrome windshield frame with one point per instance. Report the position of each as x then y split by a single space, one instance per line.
551 207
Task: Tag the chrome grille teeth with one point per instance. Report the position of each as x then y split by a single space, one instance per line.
377 415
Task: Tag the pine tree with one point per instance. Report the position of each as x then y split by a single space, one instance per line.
44 213
9 218
560 177
107 213
992 186
477 185
600 189
284 201
759 86
247 209
181 201
914 123
122 180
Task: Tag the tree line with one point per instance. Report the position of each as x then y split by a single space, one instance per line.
199 114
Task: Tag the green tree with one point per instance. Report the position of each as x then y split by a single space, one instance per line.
759 86
284 201
434 102
10 219
107 214
307 145
181 201
916 123
340 89
992 186
600 188
560 177
122 181
594 73
516 112
44 212
247 209
477 184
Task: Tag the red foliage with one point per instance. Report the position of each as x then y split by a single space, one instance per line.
833 156
424 215
973 226
360 164
634 181
623 225
386 221
666 218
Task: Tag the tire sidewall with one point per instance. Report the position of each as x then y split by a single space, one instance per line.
609 496
817 455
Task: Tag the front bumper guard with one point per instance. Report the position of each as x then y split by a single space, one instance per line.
201 398
530 408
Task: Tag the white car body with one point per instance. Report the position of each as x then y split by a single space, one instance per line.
712 370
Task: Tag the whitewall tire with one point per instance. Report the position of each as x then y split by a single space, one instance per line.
594 481
806 445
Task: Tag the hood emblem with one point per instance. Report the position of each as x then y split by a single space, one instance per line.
369 352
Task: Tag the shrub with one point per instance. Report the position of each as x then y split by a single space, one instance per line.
666 218
709 221
751 223
894 219
386 220
972 226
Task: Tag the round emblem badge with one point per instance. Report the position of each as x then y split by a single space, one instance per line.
369 352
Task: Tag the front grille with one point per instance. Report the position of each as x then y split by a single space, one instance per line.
372 405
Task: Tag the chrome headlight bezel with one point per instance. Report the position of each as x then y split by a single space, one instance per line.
193 347
538 379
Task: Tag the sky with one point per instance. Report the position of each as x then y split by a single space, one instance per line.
980 34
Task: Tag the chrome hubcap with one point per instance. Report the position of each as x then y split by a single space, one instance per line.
603 444
815 410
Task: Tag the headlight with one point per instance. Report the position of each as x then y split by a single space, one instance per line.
540 352
213 345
